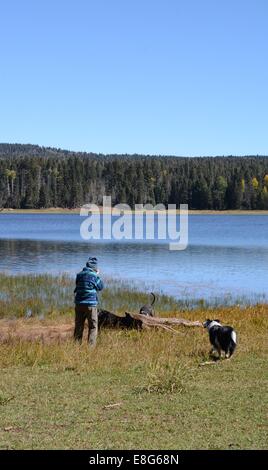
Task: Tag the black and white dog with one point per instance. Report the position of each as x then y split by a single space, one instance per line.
222 338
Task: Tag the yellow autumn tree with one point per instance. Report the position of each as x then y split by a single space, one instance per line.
255 183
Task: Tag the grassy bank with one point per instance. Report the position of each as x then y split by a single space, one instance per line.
136 389
47 296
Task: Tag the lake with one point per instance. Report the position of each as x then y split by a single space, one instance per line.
226 260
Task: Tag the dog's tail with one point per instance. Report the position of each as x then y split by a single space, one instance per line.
153 299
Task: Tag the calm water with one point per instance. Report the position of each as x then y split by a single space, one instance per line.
226 260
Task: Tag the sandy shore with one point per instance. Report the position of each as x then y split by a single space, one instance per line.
59 210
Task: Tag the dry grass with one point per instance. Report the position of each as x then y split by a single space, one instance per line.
50 341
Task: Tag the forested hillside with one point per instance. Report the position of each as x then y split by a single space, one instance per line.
38 177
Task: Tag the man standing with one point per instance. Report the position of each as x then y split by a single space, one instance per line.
88 283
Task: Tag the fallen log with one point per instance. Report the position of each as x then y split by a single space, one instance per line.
165 323
137 321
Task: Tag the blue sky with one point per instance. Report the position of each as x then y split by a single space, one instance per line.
172 77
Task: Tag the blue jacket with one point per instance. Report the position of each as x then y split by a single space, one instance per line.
87 284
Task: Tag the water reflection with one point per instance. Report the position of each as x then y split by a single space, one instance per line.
207 272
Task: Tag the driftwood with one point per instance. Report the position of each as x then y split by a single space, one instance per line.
165 323
137 321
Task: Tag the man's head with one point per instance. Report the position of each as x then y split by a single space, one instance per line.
92 263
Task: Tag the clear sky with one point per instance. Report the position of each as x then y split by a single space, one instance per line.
172 77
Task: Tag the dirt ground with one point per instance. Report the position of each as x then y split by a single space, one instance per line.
34 330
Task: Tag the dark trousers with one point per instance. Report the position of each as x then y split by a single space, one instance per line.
83 313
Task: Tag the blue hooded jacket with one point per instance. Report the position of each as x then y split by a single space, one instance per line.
87 284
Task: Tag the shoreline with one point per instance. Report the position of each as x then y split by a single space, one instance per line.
64 211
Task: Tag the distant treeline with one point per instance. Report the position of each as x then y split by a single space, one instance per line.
38 177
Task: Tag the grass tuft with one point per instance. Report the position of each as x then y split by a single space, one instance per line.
165 378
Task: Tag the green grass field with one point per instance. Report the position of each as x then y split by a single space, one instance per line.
145 390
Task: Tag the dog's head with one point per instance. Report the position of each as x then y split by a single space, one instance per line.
206 323
209 323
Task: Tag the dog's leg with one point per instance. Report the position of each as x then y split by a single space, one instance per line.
214 353
228 355
219 352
